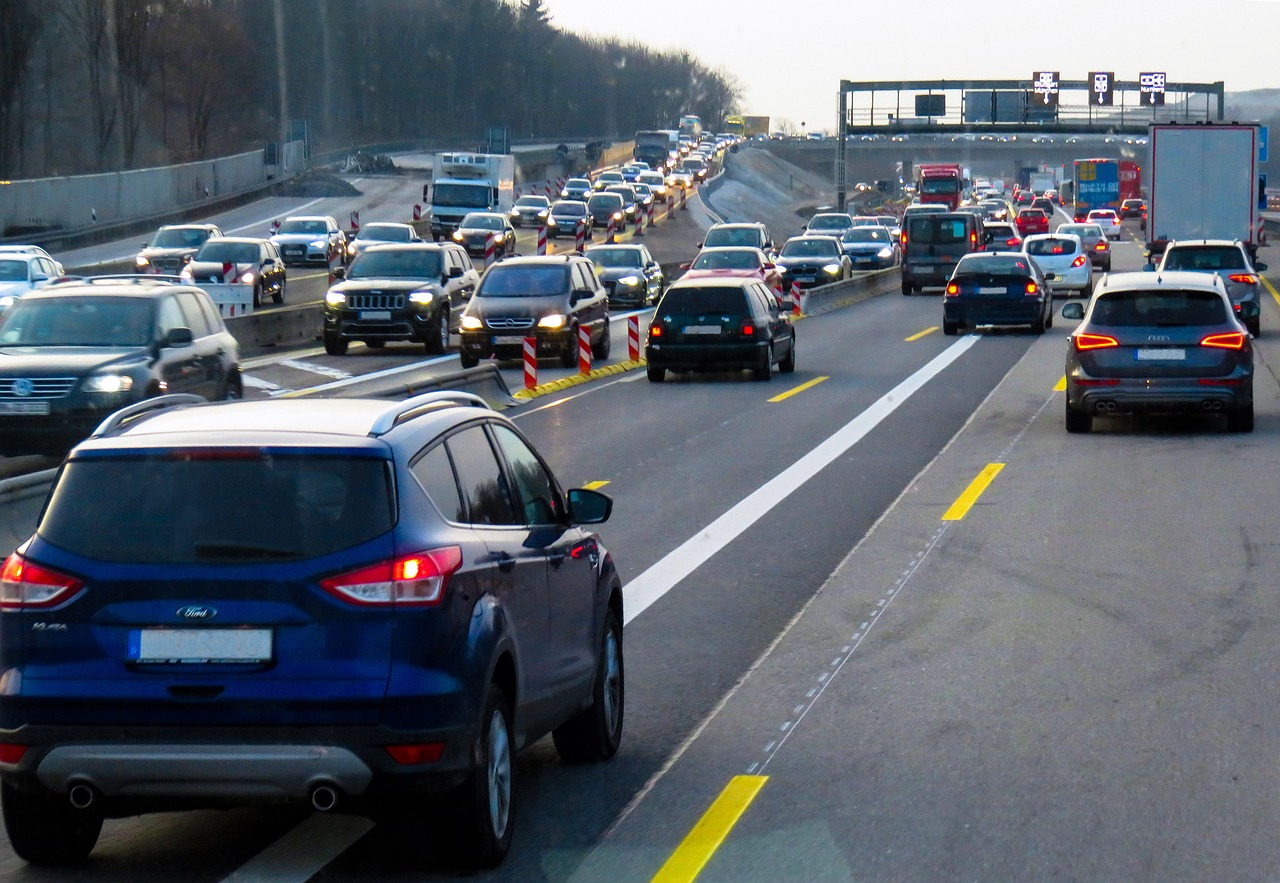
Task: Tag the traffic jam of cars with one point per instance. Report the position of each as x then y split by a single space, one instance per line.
375 520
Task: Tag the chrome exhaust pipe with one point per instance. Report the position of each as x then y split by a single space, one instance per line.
82 795
324 797
1100 406
1217 406
1206 405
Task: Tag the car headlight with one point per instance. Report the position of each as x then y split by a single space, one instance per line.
551 221
141 261
7 301
499 237
247 278
564 194
515 213
335 298
471 323
556 321
319 243
457 235
108 383
885 252
542 215
421 297
186 275
831 269
351 248
629 281
617 216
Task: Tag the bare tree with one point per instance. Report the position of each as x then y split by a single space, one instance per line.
20 24
91 26
138 48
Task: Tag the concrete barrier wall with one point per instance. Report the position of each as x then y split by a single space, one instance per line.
82 201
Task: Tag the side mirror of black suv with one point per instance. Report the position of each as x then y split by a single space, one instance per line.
178 337
589 507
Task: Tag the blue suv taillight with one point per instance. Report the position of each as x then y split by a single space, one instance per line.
25 585
417 580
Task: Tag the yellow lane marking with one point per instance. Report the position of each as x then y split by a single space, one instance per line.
916 337
692 855
1271 288
595 485
965 501
1061 385
801 388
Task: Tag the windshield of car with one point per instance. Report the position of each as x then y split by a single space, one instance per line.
220 251
605 202
532 202
1164 308
179 238
481 222
830 222
407 264
726 259
610 178
13 271
1051 246
309 227
513 280
77 321
569 209
614 257
731 236
1204 257
254 506
809 248
867 234
384 233
453 195
653 178
939 185
577 184
686 301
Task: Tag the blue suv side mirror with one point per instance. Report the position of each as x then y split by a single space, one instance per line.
589 507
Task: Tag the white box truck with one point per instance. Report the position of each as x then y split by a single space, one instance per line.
1204 184
468 182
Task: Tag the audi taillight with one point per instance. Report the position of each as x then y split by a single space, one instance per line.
1084 342
952 289
25 585
1232 340
417 580
1078 262
1032 288
1246 278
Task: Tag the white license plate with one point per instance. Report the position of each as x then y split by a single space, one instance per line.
24 407
701 329
508 339
992 290
200 646
1161 354
376 315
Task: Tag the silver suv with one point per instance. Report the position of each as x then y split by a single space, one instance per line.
1230 261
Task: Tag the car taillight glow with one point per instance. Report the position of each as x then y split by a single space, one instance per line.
1246 278
1032 288
26 585
1085 342
417 580
655 330
1011 241
748 329
408 755
1101 246
1078 262
11 752
1232 340
952 289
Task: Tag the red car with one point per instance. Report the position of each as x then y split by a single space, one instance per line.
734 262
1032 220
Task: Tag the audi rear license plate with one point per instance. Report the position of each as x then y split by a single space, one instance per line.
508 339
24 407
990 290
1161 354
701 329
376 315
199 646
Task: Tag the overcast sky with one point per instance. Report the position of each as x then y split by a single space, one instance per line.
790 57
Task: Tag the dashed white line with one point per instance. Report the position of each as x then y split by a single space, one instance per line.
312 367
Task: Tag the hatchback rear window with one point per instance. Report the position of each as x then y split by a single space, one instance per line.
682 301
940 231
1049 247
217 506
732 236
1164 309
1204 257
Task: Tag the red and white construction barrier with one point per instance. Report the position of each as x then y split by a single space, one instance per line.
530 362
580 236
275 226
584 350
610 233
651 213
490 250
633 338
639 222
355 222
795 299
417 211
542 239
684 192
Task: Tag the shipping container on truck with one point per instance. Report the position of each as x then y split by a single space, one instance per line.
940 183
1130 180
1097 186
1204 184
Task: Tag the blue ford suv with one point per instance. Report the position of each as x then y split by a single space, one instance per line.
340 602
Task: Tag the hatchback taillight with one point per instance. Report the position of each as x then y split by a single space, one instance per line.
1032 288
26 585
655 330
417 580
1085 342
1078 262
1246 278
1232 340
1101 246
748 329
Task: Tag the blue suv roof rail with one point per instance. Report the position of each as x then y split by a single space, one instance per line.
399 412
158 403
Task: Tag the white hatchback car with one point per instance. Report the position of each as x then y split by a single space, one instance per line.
22 271
1063 260
1107 219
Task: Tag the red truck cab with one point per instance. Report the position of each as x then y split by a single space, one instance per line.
939 183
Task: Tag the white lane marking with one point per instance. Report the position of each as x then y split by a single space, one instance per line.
258 382
662 576
386 372
296 210
303 852
313 368
275 358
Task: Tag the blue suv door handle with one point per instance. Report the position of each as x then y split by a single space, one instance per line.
504 561
555 559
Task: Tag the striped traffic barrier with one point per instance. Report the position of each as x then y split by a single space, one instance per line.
684 191
530 362
795 299
542 239
490 250
651 213
275 226
610 233
580 236
417 211
633 338
584 349
639 222
355 222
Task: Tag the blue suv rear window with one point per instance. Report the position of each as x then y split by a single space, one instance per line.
217 506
